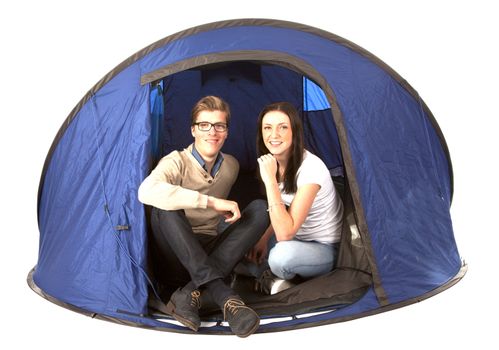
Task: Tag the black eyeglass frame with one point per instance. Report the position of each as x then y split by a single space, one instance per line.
212 125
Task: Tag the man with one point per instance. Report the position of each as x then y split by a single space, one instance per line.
188 192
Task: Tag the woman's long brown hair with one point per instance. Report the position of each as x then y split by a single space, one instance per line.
297 146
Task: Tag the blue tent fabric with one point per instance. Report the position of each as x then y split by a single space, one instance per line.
375 108
412 191
90 190
322 139
93 230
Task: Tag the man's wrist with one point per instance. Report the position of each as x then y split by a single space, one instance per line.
204 201
210 202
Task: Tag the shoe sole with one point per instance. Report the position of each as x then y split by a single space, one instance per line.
170 308
280 285
252 330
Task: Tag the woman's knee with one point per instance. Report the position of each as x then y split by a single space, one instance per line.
282 260
290 258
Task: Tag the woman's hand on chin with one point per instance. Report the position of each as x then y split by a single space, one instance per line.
268 168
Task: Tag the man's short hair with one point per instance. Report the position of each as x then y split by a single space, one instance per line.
210 103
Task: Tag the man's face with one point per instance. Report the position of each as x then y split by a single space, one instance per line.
208 143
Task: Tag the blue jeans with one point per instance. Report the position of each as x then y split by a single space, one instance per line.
305 259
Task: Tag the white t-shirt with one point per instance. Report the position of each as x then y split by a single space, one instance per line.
324 220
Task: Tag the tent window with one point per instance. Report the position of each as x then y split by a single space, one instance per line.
231 72
314 98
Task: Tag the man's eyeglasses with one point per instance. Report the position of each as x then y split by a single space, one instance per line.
206 126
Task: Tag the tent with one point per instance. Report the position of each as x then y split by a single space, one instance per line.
380 141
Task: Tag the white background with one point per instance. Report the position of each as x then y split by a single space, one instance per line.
53 52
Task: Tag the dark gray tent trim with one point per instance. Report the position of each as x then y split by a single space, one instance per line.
302 67
292 63
379 310
322 33
245 22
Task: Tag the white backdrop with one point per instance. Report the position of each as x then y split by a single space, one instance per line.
54 52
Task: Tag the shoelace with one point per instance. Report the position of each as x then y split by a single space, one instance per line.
195 301
264 282
233 306
260 287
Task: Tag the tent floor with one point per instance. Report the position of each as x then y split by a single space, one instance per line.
336 289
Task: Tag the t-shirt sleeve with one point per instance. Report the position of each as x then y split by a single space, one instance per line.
312 171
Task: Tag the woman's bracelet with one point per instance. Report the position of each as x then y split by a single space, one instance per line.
273 205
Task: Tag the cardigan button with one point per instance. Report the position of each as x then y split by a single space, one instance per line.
210 181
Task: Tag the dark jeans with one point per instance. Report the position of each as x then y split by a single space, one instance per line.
181 256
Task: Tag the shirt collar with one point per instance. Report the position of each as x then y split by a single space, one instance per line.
216 166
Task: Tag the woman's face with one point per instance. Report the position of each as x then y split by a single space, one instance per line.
277 134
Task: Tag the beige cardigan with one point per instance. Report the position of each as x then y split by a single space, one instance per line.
180 182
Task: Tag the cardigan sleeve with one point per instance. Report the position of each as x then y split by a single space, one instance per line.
163 187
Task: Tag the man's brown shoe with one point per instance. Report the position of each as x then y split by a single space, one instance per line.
243 321
184 306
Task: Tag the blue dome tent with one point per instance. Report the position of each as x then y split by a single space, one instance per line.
380 141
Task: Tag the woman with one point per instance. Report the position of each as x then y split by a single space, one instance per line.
305 209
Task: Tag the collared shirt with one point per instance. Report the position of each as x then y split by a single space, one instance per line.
216 166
